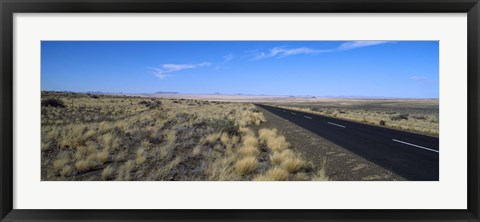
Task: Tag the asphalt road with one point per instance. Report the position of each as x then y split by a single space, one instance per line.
409 155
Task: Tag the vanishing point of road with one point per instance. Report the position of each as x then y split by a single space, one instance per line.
412 156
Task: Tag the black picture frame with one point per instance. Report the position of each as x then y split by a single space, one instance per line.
9 7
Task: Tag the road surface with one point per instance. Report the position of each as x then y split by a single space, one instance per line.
412 156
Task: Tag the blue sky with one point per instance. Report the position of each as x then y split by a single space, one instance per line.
399 69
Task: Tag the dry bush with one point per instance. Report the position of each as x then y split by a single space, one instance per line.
278 158
246 165
171 137
83 165
108 173
273 174
321 175
273 141
141 156
196 151
221 169
250 141
59 163
292 165
103 156
80 153
45 147
212 138
249 151
66 171
94 132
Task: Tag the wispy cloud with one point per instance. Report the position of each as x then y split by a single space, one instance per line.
281 52
358 44
163 71
227 58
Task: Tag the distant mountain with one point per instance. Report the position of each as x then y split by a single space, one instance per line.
161 92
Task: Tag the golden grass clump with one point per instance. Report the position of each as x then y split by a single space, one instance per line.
107 140
59 163
278 157
221 169
45 147
249 151
104 127
225 139
102 156
212 138
273 141
66 171
250 141
292 165
141 156
273 174
107 173
321 174
89 134
166 151
246 165
171 137
196 151
83 165
80 153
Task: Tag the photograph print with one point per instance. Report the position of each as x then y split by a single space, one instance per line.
240 111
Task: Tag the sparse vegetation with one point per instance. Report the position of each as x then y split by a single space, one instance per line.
53 103
418 116
105 137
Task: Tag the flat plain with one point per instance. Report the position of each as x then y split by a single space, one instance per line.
164 137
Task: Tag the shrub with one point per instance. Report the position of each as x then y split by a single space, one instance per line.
400 117
292 165
246 165
53 103
66 171
382 122
58 164
107 173
227 126
274 174
83 165
102 157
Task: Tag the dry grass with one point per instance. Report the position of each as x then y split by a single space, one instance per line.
83 165
108 173
273 141
246 165
274 174
131 139
103 156
141 157
66 171
418 116
58 164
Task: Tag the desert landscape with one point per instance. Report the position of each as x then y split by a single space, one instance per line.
105 137
203 137
239 111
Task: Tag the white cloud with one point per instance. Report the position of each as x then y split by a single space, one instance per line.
359 44
281 52
228 58
165 69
